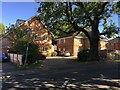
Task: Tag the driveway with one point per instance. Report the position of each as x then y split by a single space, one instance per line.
60 72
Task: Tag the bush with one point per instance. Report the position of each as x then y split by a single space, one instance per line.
83 55
48 54
20 48
54 53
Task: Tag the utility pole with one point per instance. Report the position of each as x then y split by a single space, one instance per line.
28 40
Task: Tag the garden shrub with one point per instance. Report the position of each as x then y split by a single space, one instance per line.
83 55
54 53
20 48
48 54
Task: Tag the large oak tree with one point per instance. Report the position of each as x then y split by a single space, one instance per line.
86 17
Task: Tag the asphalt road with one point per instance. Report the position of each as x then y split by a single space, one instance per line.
56 73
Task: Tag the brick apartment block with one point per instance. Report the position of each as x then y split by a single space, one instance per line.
42 36
74 43
114 44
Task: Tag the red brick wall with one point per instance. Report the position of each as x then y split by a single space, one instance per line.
114 44
39 30
80 43
67 44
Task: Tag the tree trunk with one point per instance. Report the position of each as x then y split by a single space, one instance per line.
94 44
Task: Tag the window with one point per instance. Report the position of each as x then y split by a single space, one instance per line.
79 49
59 41
64 40
63 49
34 37
114 46
59 49
45 38
79 40
45 48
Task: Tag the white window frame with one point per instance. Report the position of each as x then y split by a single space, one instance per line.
45 48
59 41
64 40
64 49
45 37
35 37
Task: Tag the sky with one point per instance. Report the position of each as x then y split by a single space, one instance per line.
11 11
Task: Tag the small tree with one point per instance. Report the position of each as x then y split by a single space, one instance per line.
2 29
19 38
20 48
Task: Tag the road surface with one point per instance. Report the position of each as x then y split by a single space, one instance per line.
63 72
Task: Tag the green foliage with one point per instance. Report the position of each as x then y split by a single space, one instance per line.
20 48
54 15
54 53
83 55
2 29
66 17
18 33
54 18
48 54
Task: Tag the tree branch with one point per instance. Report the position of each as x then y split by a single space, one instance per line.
102 8
75 26
104 33
83 7
67 13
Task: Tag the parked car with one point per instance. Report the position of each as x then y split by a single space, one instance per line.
3 57
67 54
59 53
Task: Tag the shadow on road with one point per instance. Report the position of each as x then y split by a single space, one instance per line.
62 74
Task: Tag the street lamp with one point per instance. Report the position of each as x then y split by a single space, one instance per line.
28 39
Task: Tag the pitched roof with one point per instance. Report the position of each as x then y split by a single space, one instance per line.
24 21
75 33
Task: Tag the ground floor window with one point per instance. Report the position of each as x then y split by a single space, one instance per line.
64 49
45 48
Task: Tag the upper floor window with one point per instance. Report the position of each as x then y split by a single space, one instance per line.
34 37
45 37
79 40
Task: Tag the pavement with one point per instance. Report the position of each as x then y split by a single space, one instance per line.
62 74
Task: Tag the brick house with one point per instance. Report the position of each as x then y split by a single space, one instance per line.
114 44
103 43
113 49
74 42
42 36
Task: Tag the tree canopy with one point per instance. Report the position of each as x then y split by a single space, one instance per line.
2 29
64 17
86 17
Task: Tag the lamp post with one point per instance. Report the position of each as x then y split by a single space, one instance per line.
28 39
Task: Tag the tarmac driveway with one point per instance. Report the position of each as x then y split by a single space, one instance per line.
63 72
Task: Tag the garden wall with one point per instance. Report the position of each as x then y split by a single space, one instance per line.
16 58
